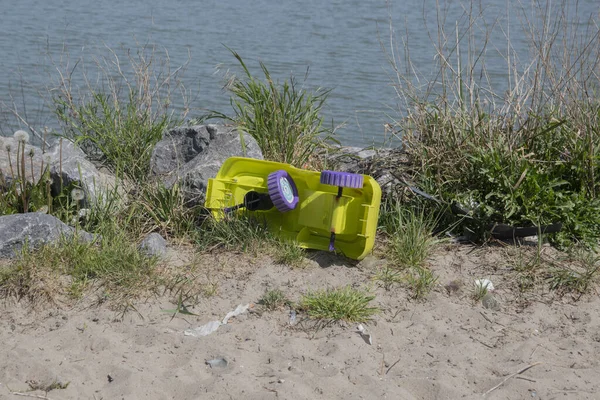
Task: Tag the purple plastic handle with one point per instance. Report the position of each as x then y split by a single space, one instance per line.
342 179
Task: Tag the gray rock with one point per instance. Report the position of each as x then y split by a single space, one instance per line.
490 302
192 155
383 164
153 245
69 163
35 229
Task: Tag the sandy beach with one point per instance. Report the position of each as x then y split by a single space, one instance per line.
444 347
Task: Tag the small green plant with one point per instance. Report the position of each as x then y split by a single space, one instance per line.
237 231
288 252
163 210
342 304
579 278
410 234
388 277
284 119
479 291
420 281
273 299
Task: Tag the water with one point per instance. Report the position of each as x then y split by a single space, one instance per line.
339 41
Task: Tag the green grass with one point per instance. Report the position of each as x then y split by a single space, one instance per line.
118 121
409 232
237 232
285 119
288 252
527 156
158 209
420 281
578 278
248 233
273 299
388 277
342 304
112 264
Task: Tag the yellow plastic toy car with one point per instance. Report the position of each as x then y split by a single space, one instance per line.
335 211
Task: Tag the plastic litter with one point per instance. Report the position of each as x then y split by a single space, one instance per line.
363 333
217 363
484 284
292 317
212 326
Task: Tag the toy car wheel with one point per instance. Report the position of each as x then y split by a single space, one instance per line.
342 179
282 190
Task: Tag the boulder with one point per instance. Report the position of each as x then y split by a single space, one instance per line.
153 245
69 163
35 229
64 161
386 165
192 155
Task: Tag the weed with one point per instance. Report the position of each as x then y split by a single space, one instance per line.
288 252
479 291
410 235
113 263
420 281
284 119
388 277
119 121
578 278
238 232
527 156
342 304
246 232
164 210
273 299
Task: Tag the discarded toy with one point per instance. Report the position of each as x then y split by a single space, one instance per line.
335 211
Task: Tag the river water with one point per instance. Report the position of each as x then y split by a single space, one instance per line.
342 43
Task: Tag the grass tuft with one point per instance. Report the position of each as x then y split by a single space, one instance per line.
113 264
342 304
409 233
284 119
273 299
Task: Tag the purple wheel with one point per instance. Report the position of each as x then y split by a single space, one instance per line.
282 190
342 179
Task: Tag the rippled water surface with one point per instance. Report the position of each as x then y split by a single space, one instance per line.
340 41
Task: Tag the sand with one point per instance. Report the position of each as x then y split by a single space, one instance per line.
444 347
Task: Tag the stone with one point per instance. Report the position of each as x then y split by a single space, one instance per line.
153 245
490 302
190 156
69 162
385 165
35 229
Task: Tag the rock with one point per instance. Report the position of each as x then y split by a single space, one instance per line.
383 164
35 229
153 245
192 155
69 162
490 302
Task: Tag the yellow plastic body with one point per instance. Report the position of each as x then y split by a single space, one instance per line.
352 217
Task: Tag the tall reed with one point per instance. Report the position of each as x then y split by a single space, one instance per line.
528 155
